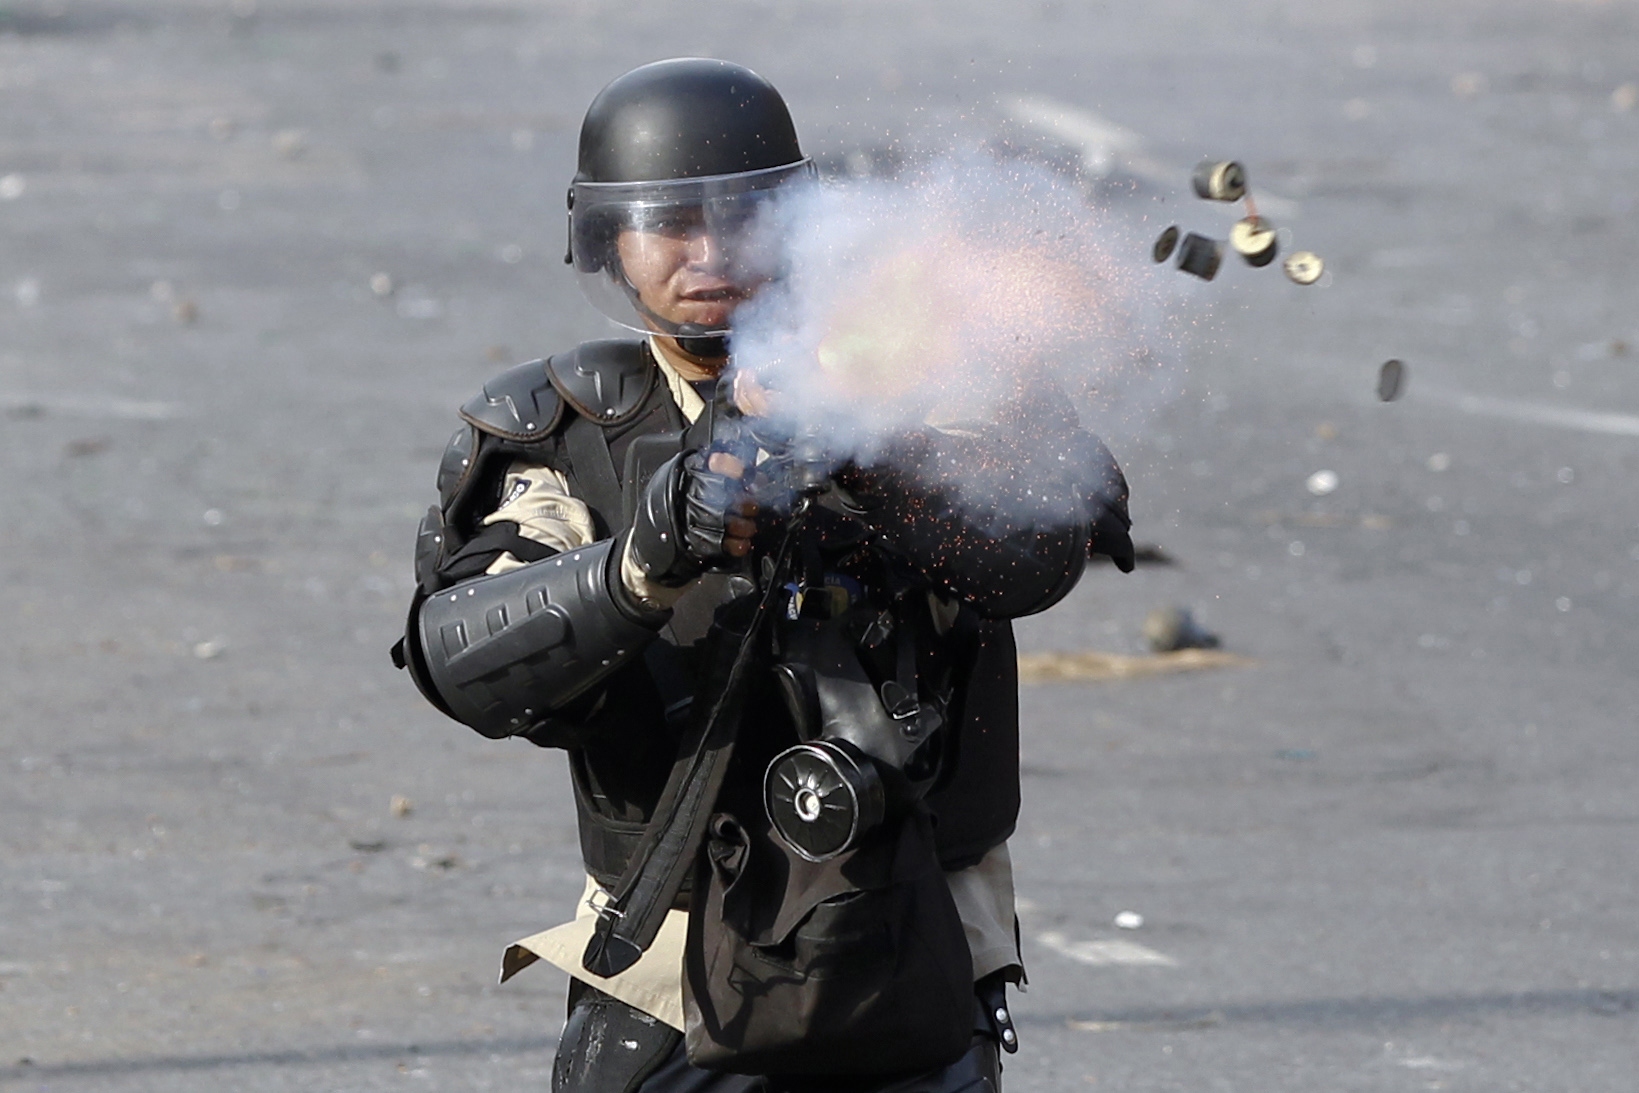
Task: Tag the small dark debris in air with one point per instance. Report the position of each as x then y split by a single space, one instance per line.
1391 380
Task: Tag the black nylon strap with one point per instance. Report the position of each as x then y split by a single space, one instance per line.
630 920
594 471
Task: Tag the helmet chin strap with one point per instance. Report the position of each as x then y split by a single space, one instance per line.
693 339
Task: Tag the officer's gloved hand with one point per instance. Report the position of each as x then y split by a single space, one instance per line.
694 515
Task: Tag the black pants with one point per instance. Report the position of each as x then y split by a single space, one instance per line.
609 1047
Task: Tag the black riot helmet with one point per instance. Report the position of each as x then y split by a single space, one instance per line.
671 217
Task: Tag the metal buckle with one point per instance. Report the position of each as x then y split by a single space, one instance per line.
606 909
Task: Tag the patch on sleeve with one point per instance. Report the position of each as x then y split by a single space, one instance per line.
520 487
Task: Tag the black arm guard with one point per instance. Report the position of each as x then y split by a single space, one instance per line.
501 653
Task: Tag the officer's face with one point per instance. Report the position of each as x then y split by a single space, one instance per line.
680 269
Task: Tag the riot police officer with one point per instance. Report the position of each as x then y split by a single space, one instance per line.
577 587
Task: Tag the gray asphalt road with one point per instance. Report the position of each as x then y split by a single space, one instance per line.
1397 852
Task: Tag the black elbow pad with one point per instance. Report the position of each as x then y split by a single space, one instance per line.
500 653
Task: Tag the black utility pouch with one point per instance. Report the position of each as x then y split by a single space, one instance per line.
855 965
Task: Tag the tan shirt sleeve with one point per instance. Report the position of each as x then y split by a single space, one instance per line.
983 894
537 499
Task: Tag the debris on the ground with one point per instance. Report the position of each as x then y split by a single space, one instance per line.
1321 483
400 806
1094 667
428 858
210 650
185 312
1143 554
381 284
1106 952
1159 1024
1169 629
289 143
1128 920
75 449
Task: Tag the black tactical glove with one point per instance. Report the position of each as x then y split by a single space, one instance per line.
694 515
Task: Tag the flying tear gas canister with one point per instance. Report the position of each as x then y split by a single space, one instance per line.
1253 238
1165 244
1304 267
1200 256
1219 180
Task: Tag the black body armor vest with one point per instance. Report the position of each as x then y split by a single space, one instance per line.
602 416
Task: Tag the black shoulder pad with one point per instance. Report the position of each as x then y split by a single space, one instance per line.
519 404
607 382
456 467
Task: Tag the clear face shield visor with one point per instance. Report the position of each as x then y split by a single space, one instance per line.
678 257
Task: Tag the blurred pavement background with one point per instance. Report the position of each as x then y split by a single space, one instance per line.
254 253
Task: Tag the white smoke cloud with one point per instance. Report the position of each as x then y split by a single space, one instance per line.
943 296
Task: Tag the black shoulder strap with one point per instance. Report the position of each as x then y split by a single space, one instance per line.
630 920
594 471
